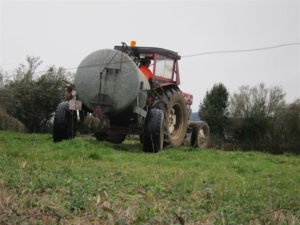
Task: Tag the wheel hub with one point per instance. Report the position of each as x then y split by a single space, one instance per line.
201 136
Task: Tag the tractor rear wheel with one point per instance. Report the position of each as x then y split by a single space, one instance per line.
153 137
64 123
200 135
176 116
177 120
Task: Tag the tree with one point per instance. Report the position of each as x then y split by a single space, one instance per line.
252 114
4 77
1 79
285 129
33 100
213 109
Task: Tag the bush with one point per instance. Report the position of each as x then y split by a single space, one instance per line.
286 129
9 123
260 119
33 100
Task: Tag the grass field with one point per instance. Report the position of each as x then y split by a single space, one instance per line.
83 181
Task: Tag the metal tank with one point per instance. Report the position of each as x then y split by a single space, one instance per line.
111 78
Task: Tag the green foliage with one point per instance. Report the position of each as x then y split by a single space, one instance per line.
257 101
82 181
213 109
32 99
285 129
258 119
1 79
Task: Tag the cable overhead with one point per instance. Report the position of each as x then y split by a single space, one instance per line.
241 50
195 55
220 52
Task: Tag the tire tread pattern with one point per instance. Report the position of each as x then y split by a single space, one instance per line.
152 138
62 129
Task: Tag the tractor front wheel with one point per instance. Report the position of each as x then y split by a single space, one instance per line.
200 135
153 137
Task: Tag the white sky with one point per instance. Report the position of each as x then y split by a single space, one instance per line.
62 33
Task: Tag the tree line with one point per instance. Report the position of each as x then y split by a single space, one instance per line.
254 118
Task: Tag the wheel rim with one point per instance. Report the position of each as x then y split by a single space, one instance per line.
175 121
172 120
201 137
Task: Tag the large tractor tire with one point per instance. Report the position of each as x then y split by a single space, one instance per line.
64 123
200 135
113 138
153 137
176 116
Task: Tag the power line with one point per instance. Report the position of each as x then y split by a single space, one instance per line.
241 50
194 55
220 52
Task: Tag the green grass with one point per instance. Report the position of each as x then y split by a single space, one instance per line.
83 181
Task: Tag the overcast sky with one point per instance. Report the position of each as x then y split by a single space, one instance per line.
62 33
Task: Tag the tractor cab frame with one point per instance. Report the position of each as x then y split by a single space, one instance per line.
164 65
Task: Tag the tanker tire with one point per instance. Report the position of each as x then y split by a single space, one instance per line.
176 116
154 136
63 126
200 135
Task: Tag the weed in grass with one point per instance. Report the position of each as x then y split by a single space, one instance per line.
95 156
77 199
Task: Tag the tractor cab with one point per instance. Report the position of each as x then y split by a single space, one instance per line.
164 63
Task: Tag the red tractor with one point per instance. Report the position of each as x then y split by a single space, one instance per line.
113 98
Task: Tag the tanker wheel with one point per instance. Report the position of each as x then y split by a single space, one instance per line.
176 117
64 123
200 135
153 137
